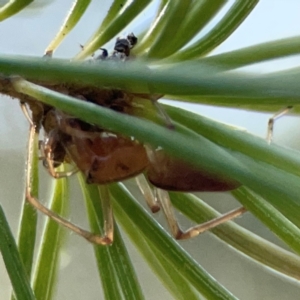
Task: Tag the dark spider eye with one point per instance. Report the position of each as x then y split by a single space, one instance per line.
104 52
122 46
132 39
103 55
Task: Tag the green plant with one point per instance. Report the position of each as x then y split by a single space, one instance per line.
267 171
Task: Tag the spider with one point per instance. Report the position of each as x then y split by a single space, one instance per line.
105 157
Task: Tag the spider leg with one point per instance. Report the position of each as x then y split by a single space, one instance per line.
272 120
106 239
176 231
147 193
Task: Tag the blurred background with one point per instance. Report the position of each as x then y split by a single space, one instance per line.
29 33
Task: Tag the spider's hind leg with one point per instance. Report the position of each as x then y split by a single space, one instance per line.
176 231
272 120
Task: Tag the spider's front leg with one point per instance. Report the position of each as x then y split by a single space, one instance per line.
106 239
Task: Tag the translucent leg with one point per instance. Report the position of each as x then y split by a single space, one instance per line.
107 212
93 238
195 230
162 112
26 113
272 121
147 193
